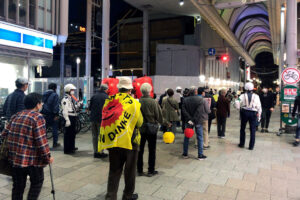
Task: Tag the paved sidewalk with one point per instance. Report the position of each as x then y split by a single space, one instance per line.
270 172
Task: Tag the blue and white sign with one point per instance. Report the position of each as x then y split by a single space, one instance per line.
211 51
21 37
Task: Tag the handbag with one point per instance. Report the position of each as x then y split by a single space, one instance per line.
151 129
5 165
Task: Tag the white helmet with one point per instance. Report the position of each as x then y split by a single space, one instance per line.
69 87
249 86
178 88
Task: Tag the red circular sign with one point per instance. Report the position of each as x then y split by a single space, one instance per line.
290 75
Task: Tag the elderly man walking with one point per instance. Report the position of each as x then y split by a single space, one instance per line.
119 133
152 116
95 108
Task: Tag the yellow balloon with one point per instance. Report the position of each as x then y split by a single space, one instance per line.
168 137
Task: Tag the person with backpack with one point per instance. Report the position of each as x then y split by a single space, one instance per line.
28 148
51 111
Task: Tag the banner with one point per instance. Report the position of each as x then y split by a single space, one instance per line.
120 115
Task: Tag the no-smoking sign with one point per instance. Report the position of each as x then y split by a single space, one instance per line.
290 76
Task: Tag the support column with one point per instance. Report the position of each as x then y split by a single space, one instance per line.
282 38
145 41
105 37
27 13
88 52
291 36
6 9
62 69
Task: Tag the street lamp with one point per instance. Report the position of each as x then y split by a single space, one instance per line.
181 2
77 71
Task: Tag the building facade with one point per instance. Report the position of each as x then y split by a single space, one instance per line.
29 29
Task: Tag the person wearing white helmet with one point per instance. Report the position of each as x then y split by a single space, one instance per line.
250 107
70 108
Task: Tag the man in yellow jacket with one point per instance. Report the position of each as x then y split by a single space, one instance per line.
119 133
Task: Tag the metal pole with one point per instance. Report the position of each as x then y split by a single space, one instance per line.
291 36
88 51
77 80
105 37
62 68
52 182
145 40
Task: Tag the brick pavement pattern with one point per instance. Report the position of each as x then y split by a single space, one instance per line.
270 172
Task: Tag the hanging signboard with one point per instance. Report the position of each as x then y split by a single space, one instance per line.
290 76
288 96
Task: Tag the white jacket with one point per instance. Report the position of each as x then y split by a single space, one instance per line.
254 105
69 107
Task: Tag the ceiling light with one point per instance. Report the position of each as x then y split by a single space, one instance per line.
282 8
181 2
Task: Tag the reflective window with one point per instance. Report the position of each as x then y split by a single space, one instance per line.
31 12
49 15
41 14
22 11
12 9
1 8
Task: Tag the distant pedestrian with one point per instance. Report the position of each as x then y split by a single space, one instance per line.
267 103
95 108
70 112
250 106
223 111
51 111
170 110
28 148
296 110
195 109
15 101
152 116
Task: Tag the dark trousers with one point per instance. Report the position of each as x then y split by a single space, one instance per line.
245 117
119 157
265 118
152 152
209 123
221 126
19 176
95 133
69 136
54 123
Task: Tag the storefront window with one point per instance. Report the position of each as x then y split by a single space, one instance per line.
1 8
22 11
41 14
31 12
12 9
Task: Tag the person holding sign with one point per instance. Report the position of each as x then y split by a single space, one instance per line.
119 133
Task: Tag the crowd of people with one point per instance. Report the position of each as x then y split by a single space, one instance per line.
122 125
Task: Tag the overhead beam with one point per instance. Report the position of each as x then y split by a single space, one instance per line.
211 16
235 4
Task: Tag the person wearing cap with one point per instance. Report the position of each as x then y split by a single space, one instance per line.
51 111
70 111
95 108
120 157
250 110
15 101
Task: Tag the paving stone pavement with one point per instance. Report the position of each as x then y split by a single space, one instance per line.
270 172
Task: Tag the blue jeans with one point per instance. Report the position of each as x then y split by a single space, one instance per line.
199 132
298 129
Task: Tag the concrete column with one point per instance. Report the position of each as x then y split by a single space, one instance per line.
62 68
105 37
6 9
88 52
291 44
27 13
282 38
145 41
17 12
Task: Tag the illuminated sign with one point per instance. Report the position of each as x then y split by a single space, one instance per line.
21 37
82 29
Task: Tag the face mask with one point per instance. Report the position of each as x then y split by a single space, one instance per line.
72 93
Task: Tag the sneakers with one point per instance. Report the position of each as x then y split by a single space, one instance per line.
204 147
296 143
134 196
55 145
262 130
241 146
100 155
185 156
150 174
202 157
141 174
267 131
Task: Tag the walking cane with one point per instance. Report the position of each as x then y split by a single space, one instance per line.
52 184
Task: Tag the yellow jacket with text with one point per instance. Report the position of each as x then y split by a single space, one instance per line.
121 118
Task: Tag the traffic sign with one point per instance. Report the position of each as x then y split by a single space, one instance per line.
290 76
211 51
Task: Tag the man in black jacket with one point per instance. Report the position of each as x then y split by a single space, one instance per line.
51 111
267 104
95 108
297 109
194 109
15 101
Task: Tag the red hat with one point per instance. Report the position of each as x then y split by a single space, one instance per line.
188 132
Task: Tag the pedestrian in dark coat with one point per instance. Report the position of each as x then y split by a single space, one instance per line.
223 111
95 108
267 104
